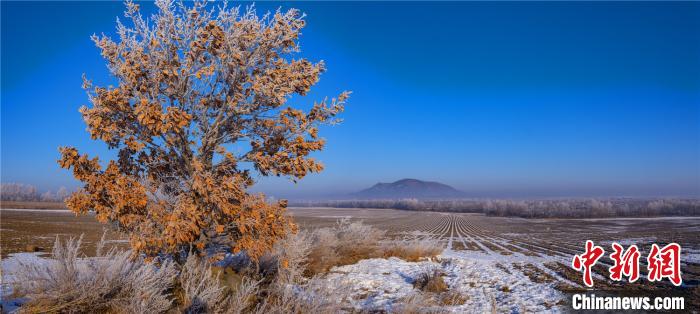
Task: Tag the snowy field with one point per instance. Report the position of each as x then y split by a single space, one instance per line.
512 265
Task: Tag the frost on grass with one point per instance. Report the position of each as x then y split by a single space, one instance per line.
110 281
373 278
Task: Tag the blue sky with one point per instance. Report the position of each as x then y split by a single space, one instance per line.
497 99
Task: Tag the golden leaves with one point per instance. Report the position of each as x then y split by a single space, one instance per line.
189 86
133 144
83 167
219 229
79 202
176 120
150 116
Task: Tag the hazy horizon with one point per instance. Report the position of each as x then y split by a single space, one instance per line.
507 100
485 192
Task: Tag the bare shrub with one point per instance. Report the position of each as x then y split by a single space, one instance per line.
112 282
323 254
243 297
432 295
357 241
349 242
275 282
313 296
412 249
430 280
203 289
429 302
108 282
291 256
200 291
284 264
452 298
345 243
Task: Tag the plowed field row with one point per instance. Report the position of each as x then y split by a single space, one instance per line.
542 249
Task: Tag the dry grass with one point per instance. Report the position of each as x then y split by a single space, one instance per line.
432 294
452 298
356 241
323 254
430 280
32 205
349 242
291 258
423 303
313 296
276 283
413 249
243 296
199 290
345 243
114 283
418 303
111 282
283 281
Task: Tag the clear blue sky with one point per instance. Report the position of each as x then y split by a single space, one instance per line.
496 99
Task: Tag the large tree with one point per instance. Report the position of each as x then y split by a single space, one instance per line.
201 104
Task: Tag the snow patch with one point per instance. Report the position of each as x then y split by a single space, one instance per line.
380 284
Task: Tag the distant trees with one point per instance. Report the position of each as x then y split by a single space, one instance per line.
27 192
47 196
572 208
18 192
593 208
200 107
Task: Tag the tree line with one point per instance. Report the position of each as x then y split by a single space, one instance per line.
27 192
554 208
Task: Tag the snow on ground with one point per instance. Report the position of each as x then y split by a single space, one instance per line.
7 267
10 264
690 256
379 284
376 283
627 242
632 219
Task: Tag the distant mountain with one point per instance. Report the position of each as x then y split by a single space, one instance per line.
409 188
